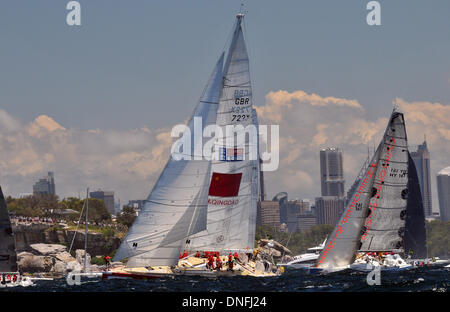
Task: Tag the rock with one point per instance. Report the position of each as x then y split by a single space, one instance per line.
32 263
23 254
65 257
48 249
74 266
79 253
60 267
99 244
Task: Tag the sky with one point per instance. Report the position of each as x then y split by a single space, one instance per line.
95 103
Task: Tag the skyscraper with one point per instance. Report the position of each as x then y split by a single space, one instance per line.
269 214
422 161
443 183
329 209
45 186
107 197
332 172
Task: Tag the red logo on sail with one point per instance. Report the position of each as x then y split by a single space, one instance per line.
225 184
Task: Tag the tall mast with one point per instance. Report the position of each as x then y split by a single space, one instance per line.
239 18
86 230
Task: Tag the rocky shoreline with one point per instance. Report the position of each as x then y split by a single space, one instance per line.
42 249
35 233
52 259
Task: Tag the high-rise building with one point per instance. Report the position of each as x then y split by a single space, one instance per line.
294 208
45 186
306 221
332 172
269 214
107 197
422 161
443 183
329 209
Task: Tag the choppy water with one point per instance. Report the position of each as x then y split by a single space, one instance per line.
436 279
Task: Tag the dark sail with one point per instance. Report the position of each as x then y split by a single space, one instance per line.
415 230
8 257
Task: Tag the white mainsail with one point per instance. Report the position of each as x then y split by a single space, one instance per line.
176 207
233 192
384 226
377 198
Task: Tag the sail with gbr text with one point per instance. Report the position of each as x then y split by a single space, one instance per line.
231 216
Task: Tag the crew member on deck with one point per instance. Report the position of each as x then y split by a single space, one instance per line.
230 262
107 261
197 254
236 256
210 264
218 264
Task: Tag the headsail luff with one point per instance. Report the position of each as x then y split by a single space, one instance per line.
8 256
176 207
345 240
232 215
385 226
415 240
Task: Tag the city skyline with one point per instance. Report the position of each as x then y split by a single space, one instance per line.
99 113
443 182
421 158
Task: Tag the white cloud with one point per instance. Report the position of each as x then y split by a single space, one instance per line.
130 161
311 122
127 162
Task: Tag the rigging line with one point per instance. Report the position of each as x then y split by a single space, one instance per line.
390 208
241 85
388 144
384 230
208 102
393 161
76 230
390 184
395 137
170 205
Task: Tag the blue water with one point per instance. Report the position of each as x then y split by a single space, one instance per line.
436 279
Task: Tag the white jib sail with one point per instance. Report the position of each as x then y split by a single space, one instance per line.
177 204
232 202
341 245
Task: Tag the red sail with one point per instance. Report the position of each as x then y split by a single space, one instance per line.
225 184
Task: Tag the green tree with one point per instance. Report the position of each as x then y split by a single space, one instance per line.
127 216
438 238
97 211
